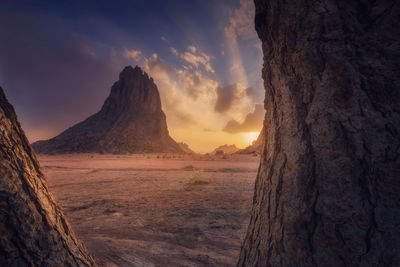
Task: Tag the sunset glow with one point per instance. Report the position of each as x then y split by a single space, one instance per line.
207 68
251 137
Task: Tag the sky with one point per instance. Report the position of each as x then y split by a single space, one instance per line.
59 59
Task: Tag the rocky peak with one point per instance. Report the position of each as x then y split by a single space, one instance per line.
130 121
134 91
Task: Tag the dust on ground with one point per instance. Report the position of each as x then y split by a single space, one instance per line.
156 209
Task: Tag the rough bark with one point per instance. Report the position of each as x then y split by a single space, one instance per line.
33 230
327 191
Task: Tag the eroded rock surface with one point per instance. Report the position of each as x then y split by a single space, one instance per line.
130 121
33 230
327 191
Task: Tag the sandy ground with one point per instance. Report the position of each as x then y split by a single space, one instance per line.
156 210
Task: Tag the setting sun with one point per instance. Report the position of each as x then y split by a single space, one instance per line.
251 137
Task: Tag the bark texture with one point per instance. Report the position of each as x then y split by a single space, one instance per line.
33 230
327 191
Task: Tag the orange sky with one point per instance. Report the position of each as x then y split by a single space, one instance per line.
205 58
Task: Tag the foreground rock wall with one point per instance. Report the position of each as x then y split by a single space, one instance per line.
327 191
33 230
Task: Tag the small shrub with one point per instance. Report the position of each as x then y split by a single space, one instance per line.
189 168
196 178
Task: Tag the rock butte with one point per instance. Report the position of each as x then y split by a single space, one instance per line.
130 121
33 229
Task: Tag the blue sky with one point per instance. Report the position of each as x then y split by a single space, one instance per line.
58 60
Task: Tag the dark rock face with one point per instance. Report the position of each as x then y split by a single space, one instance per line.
130 121
33 230
327 191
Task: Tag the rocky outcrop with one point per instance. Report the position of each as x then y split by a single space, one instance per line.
185 148
256 147
130 121
33 230
226 149
327 190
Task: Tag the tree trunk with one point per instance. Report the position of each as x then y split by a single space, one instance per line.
33 230
328 187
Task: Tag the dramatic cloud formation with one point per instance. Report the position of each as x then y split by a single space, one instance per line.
181 89
252 122
241 26
136 55
194 57
195 84
255 95
58 63
228 95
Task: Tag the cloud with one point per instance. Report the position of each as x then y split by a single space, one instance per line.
194 57
256 95
174 51
258 46
192 49
195 84
240 27
252 122
136 55
228 95
171 85
241 24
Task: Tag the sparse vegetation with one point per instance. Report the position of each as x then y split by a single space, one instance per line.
196 178
189 168
94 170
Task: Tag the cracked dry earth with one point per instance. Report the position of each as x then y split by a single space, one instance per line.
156 210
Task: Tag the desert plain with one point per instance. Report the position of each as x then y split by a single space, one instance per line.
156 209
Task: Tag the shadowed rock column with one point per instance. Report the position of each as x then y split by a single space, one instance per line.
328 188
33 230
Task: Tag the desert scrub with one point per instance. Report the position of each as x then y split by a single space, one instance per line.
196 178
95 170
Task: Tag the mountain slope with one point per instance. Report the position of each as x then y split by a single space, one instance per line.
130 121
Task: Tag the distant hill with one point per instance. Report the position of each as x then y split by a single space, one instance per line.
130 121
227 149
